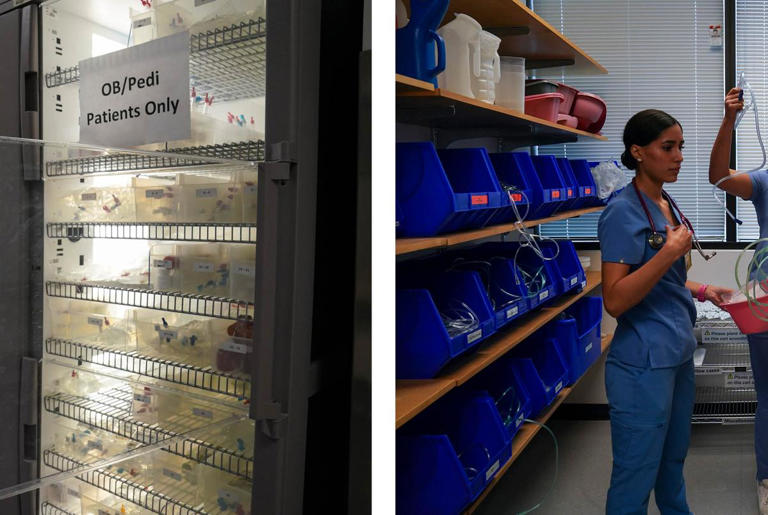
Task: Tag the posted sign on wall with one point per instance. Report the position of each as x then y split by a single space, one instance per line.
138 95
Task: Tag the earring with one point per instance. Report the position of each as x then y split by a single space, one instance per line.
639 160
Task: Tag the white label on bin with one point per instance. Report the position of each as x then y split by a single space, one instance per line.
164 333
171 474
588 348
709 371
202 412
143 22
583 284
574 280
252 189
231 346
475 336
155 193
97 321
558 387
163 263
511 312
543 295
492 470
206 193
88 196
74 493
244 269
146 399
95 444
203 267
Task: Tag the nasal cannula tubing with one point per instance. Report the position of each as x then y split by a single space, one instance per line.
743 84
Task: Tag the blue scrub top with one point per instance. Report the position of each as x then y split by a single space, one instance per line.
657 332
759 199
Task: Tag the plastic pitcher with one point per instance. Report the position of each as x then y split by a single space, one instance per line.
510 91
418 42
486 67
461 50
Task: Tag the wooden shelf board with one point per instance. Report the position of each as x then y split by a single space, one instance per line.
542 42
407 245
528 431
418 395
404 83
413 396
453 111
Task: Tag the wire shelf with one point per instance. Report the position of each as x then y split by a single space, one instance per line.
228 63
210 232
49 509
720 405
726 356
176 302
178 373
246 151
131 491
120 422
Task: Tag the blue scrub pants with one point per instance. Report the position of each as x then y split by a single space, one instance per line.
650 431
758 353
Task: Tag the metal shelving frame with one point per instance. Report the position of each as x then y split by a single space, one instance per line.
228 63
126 489
204 232
246 151
722 358
719 405
176 302
49 509
120 422
178 373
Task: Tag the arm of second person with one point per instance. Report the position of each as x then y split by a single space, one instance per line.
721 151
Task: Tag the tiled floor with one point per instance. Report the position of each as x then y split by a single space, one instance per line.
719 472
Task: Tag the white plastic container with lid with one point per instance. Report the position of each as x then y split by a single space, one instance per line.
486 70
510 91
460 36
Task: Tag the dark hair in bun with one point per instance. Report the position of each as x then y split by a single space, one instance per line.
643 128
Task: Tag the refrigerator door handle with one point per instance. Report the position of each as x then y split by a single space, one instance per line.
28 437
29 88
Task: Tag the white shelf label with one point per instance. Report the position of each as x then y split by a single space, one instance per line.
97 321
204 267
166 334
492 470
155 193
588 348
74 493
163 263
145 399
138 95
543 295
171 474
574 280
142 22
206 193
512 312
475 336
232 346
199 412
583 284
246 269
88 197
709 371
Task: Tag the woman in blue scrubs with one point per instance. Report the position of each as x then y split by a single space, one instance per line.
752 187
645 243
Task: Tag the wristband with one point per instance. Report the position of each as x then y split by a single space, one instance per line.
700 293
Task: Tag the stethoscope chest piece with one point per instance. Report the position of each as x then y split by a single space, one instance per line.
656 240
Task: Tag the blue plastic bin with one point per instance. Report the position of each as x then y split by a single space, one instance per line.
569 274
542 369
423 344
438 197
447 456
508 393
508 166
587 186
553 191
498 277
529 263
572 193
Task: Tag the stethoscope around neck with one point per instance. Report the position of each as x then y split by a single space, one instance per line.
655 239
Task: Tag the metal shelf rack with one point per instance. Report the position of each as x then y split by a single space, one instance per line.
176 302
722 358
208 232
228 62
246 151
120 422
718 405
49 509
124 488
171 371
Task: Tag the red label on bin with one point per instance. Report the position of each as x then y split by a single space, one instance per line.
570 193
479 199
516 197
588 191
555 194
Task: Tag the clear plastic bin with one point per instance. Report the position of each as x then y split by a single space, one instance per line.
172 336
172 473
145 404
224 494
206 200
242 267
157 200
102 329
159 21
105 204
204 269
250 188
164 268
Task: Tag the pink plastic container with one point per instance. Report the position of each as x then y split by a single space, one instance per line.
746 321
567 120
543 106
569 95
590 110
